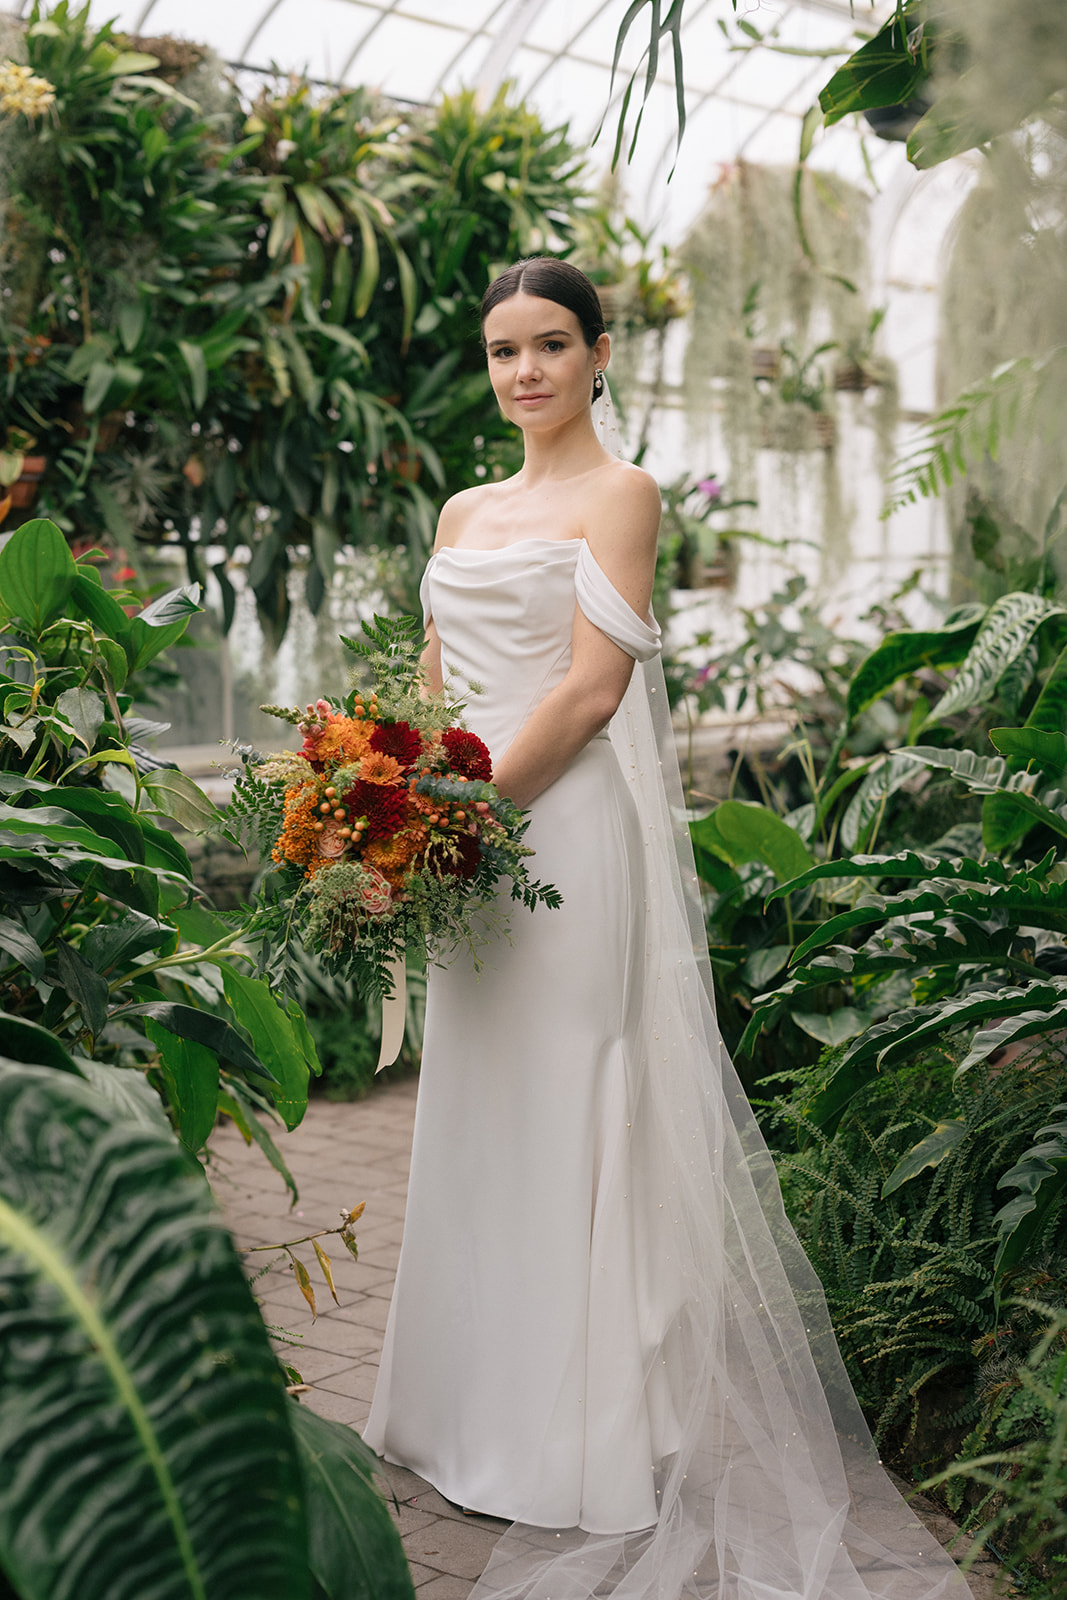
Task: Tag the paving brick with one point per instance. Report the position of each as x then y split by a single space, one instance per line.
356 1382
442 1588
456 1548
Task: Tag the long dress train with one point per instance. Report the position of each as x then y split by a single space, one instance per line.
603 1327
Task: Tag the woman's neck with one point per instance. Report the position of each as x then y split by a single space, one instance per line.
566 452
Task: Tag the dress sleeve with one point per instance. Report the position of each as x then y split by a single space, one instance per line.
606 609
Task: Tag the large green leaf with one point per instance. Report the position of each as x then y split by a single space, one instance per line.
902 653
109 816
1050 708
179 797
203 1028
1025 899
191 1071
111 944
161 624
276 1041
904 1033
36 574
929 1152
739 831
53 825
90 600
85 987
867 807
146 1450
1009 625
883 72
1041 1177
907 864
1048 750
832 1027
990 775
23 1040
19 943
354 1548
1013 1030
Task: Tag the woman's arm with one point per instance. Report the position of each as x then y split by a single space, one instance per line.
623 543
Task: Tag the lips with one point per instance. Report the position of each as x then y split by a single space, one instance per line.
530 399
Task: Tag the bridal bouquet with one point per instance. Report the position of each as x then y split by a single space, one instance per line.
385 829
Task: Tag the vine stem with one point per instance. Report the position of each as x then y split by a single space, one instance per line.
185 958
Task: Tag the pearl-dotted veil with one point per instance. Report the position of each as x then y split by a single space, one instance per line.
769 1485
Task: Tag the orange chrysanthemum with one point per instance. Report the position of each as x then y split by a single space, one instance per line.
339 738
377 767
394 856
298 840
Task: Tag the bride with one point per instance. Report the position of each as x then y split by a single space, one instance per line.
603 1328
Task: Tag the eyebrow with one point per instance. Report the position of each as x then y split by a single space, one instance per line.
552 333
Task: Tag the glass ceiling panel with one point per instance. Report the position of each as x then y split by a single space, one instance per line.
743 98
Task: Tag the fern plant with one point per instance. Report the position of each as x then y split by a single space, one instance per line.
974 425
909 1268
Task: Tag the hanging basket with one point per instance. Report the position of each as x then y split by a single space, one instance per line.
852 377
23 492
766 362
798 427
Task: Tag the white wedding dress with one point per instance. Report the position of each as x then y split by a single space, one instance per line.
602 1322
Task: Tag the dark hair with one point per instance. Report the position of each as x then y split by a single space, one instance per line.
553 280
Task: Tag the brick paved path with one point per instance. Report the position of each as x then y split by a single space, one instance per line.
341 1154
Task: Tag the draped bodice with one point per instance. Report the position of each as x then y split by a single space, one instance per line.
504 618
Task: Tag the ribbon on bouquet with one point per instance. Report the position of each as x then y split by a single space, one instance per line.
394 1013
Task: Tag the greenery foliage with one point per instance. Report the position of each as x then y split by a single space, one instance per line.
914 926
259 322
128 1024
102 941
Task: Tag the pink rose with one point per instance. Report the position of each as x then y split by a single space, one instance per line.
331 844
375 893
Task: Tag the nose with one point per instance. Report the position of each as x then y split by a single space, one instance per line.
529 365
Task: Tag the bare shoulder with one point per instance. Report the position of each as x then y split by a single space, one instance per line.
623 512
456 513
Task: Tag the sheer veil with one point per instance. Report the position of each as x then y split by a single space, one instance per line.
768 1486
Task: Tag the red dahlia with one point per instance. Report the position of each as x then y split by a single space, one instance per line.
398 739
467 754
384 807
457 856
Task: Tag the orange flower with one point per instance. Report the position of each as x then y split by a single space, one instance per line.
339 738
298 840
378 768
394 856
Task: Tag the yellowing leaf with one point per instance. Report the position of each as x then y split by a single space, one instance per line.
324 1263
300 1272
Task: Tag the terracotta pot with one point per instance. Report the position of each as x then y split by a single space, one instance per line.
23 491
766 361
804 429
853 378
825 428
108 429
404 462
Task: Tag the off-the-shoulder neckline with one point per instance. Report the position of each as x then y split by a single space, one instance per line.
500 549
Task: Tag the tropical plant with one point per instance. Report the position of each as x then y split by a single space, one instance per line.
1021 1498
180 1467
255 328
105 950
903 1238
183 1468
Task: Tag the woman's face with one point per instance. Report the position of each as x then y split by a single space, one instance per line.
540 366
